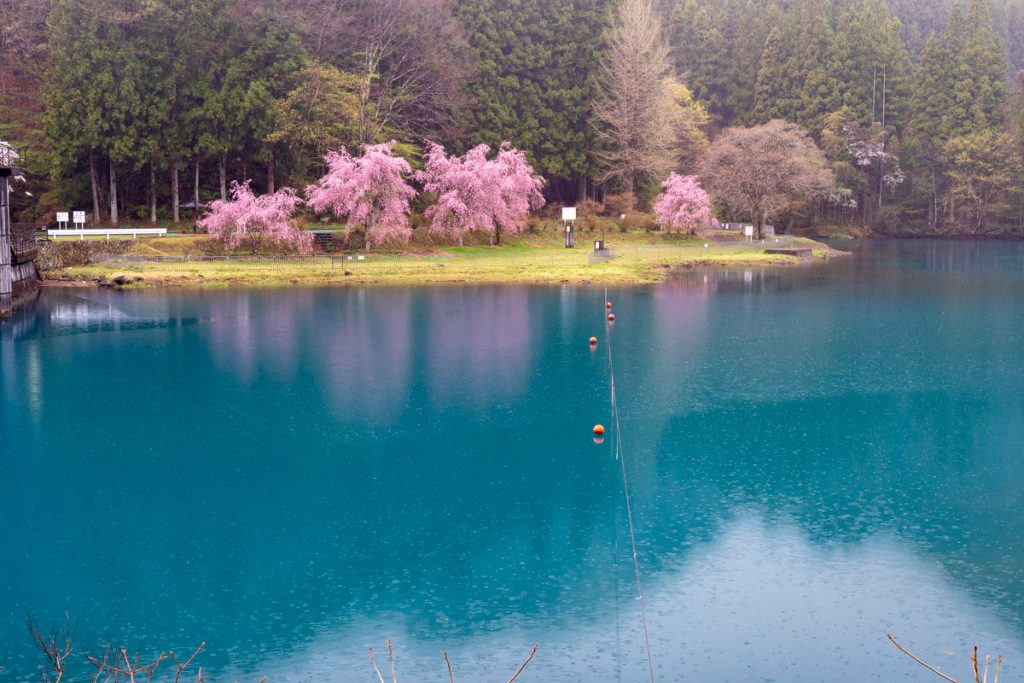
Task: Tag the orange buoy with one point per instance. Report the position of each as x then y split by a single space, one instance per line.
593 341
611 317
598 430
608 304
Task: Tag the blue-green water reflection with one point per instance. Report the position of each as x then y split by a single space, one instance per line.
817 456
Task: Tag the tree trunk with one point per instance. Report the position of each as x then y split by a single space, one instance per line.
175 200
270 173
223 168
113 193
933 205
152 192
1020 213
759 219
195 197
94 181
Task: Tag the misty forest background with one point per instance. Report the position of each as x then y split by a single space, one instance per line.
915 103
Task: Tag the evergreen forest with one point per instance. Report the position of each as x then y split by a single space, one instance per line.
133 108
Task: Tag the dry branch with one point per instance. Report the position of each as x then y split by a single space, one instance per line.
181 667
978 676
919 661
375 668
451 676
56 645
532 653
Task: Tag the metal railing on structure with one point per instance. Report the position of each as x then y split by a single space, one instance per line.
23 242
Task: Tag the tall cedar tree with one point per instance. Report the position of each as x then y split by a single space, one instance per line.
535 82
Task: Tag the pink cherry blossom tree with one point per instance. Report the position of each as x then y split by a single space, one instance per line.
684 205
257 220
477 193
369 191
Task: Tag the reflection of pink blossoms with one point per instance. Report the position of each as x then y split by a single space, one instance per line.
368 191
684 204
477 193
268 216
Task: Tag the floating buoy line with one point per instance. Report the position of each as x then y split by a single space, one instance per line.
617 448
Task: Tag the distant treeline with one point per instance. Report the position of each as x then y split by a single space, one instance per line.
916 103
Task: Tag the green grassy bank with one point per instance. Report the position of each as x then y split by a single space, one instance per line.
540 258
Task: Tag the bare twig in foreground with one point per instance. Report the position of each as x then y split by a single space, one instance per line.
375 668
391 658
56 645
451 676
978 676
182 667
131 668
919 661
532 653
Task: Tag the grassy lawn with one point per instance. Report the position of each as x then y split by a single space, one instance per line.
517 263
533 257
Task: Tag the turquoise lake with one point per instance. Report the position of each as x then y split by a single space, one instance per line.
817 456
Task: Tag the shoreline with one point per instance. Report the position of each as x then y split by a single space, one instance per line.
539 268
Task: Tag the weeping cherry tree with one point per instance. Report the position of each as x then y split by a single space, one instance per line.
477 193
684 205
369 191
257 220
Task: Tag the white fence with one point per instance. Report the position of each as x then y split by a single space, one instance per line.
108 233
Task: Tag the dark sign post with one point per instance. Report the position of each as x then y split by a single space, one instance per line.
568 218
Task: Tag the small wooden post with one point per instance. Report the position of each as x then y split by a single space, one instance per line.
6 269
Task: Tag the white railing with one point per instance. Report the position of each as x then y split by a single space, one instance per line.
107 232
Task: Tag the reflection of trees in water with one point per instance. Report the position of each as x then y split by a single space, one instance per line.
478 343
360 345
362 352
464 525
923 465
254 333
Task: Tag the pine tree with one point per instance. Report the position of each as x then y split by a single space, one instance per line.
535 81
868 67
793 82
985 67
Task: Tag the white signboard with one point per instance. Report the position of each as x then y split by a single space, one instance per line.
748 230
79 217
568 213
62 219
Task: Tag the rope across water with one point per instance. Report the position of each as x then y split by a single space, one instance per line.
617 449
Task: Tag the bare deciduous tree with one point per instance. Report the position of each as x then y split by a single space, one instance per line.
636 111
759 170
411 58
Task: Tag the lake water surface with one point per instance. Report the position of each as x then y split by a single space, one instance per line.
817 456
